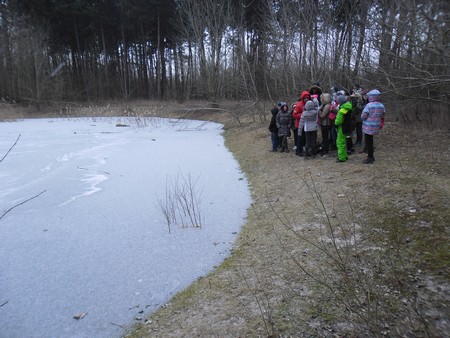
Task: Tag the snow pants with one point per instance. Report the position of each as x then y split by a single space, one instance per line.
341 144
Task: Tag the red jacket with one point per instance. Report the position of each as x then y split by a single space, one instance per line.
298 110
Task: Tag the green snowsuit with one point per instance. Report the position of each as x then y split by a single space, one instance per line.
341 142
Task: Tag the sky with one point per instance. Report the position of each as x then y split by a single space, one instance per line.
82 231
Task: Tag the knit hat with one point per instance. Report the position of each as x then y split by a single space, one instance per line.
341 99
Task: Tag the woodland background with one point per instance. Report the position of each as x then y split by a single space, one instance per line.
60 52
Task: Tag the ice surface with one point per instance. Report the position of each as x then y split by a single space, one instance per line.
95 241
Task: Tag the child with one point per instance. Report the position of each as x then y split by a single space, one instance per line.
309 122
332 117
297 114
373 120
325 122
343 126
273 128
284 122
359 103
316 91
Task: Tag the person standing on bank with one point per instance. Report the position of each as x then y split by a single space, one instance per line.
343 126
297 114
373 120
273 128
325 123
309 126
316 90
284 122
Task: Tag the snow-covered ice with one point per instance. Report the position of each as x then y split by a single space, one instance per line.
94 241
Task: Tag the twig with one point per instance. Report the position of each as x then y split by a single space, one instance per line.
10 148
4 303
21 203
260 302
116 324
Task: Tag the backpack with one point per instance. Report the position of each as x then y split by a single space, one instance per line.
332 114
347 124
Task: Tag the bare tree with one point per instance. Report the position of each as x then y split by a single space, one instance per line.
34 81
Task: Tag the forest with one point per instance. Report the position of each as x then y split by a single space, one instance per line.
57 52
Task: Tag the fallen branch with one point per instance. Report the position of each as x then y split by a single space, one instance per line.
116 325
11 148
21 203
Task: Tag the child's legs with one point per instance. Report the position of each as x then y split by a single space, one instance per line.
359 133
296 137
308 137
333 135
313 142
284 143
325 139
274 137
349 141
369 145
341 144
300 143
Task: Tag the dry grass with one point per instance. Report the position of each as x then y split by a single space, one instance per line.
328 249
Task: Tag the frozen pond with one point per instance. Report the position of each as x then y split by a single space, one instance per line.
82 232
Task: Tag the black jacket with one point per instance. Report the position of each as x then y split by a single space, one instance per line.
273 121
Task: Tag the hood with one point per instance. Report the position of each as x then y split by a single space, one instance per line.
345 107
310 105
325 98
319 90
374 95
304 94
341 99
283 104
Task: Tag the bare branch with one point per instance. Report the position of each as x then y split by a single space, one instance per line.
17 205
10 148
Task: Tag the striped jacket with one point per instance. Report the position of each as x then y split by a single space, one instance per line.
373 113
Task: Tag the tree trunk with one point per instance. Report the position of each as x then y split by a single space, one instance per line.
362 37
385 57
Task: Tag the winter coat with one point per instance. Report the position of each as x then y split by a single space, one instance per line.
372 115
284 122
343 116
358 105
316 101
298 110
308 121
325 109
273 121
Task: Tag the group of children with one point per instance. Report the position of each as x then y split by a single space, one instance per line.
337 115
